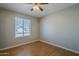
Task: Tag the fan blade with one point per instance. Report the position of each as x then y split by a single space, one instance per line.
31 4
32 9
43 3
40 8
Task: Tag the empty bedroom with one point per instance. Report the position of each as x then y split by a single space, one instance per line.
39 29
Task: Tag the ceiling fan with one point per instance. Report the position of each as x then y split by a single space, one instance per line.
37 6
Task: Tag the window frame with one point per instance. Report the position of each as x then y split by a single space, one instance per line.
23 27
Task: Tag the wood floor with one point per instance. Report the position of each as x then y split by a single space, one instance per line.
37 49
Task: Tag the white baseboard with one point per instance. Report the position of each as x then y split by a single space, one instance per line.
18 45
59 46
41 41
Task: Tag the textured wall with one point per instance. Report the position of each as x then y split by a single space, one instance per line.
7 29
62 28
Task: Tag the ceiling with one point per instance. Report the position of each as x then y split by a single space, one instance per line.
25 9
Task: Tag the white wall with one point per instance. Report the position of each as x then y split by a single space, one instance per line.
7 29
62 28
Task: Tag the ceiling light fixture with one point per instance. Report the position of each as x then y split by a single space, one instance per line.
37 6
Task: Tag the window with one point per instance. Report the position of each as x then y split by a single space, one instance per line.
22 27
